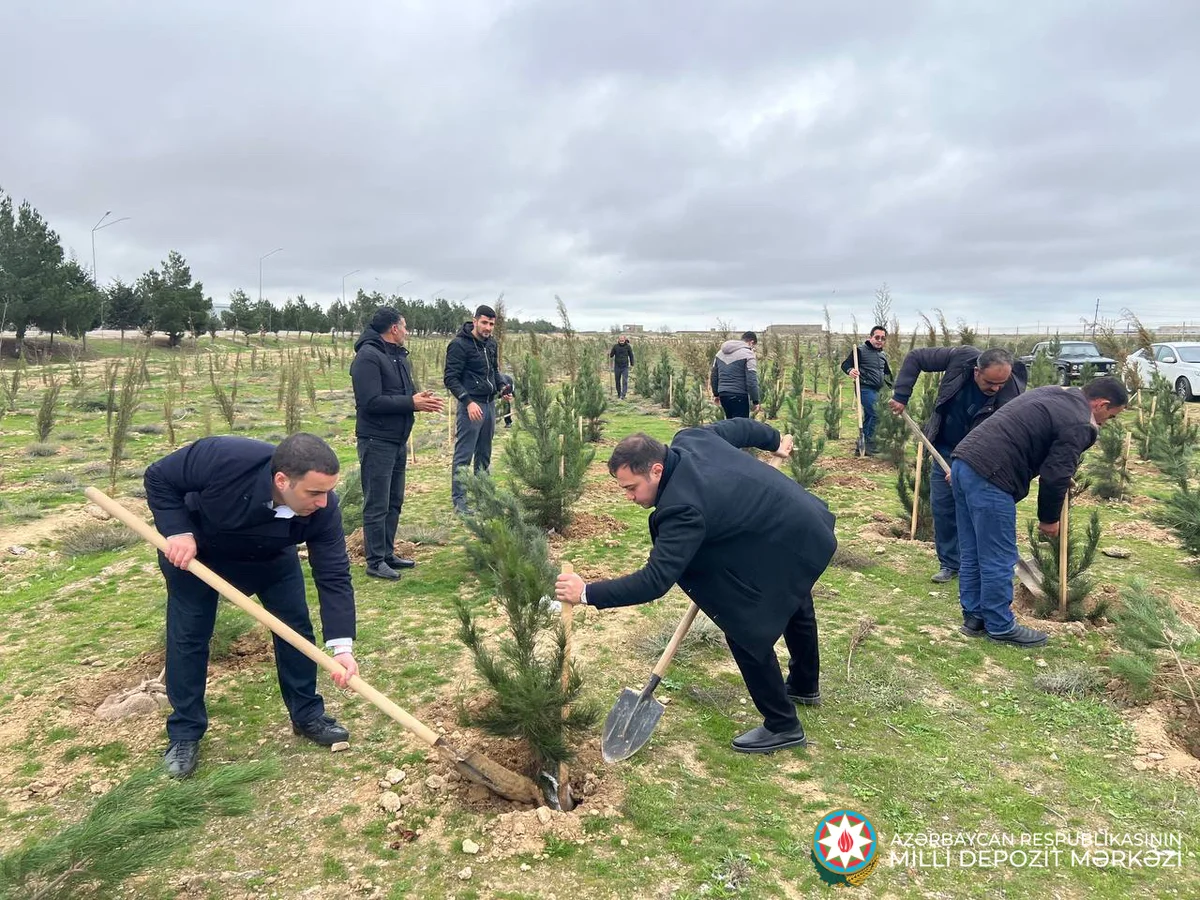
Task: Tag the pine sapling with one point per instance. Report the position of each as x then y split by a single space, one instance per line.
590 399
833 409
806 449
906 477
1109 468
1082 543
48 410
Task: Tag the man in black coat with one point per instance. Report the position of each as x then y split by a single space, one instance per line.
872 376
975 385
472 376
622 356
240 507
386 401
745 542
1040 434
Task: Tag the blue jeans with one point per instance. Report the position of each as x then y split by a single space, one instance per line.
869 397
945 518
987 543
381 467
621 377
473 442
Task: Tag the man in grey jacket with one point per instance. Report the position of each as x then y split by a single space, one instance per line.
1040 434
872 376
734 377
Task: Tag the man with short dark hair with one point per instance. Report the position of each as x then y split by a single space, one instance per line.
975 385
745 542
241 506
472 376
871 376
622 356
386 401
734 377
1040 434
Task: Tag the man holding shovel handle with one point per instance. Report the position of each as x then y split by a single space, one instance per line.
744 542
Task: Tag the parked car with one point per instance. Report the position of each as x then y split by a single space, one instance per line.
1072 357
1178 363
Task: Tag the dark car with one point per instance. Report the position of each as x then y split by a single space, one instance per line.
1072 357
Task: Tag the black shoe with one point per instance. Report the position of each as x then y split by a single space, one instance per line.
323 730
763 740
400 562
813 699
181 757
972 626
383 570
943 575
1020 636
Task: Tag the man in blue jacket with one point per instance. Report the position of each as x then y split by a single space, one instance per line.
386 401
241 506
472 376
745 542
975 385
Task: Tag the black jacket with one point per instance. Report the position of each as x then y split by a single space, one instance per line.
383 389
472 367
959 365
218 489
740 538
1042 434
873 369
621 354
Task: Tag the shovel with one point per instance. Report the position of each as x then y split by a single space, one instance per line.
860 445
916 429
632 719
473 766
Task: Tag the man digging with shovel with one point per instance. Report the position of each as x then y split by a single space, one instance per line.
745 542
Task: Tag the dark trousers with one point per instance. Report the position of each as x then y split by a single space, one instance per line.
763 678
381 465
945 517
191 615
987 542
621 377
473 442
736 406
869 397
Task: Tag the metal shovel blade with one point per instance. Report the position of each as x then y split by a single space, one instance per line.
1030 576
629 724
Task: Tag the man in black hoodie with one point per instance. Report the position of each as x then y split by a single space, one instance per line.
386 400
472 376
872 375
622 356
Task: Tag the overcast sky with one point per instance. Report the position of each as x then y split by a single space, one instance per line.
651 161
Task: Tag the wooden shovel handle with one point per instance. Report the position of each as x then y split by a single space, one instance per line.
1064 532
857 389
568 618
676 639
916 429
275 625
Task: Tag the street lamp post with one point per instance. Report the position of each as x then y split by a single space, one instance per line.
260 267
99 226
344 277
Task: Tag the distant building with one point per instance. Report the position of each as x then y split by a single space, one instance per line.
1165 331
633 329
794 329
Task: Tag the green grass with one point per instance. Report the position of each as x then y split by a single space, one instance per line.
930 731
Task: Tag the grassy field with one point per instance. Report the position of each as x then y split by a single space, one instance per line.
924 730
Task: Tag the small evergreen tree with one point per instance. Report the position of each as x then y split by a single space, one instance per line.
48 410
1109 469
770 378
891 433
833 409
806 449
1181 513
642 381
1147 625
524 673
546 456
906 477
1082 544
590 399
660 380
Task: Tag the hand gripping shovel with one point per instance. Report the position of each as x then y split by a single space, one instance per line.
473 766
860 445
916 429
632 719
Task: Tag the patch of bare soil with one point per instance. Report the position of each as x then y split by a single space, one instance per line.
586 525
1102 595
857 482
1168 739
1141 530
357 553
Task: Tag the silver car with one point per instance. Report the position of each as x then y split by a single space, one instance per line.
1178 363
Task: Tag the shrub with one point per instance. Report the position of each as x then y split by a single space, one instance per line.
41 449
97 537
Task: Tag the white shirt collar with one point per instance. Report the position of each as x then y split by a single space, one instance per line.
282 511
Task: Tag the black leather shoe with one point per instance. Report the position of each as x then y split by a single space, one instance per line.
181 757
323 730
944 575
383 570
972 626
763 740
813 699
400 562
1020 636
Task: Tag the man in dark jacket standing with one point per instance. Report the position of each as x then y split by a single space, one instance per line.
975 385
1040 434
622 356
241 506
472 376
745 542
734 377
386 401
872 375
